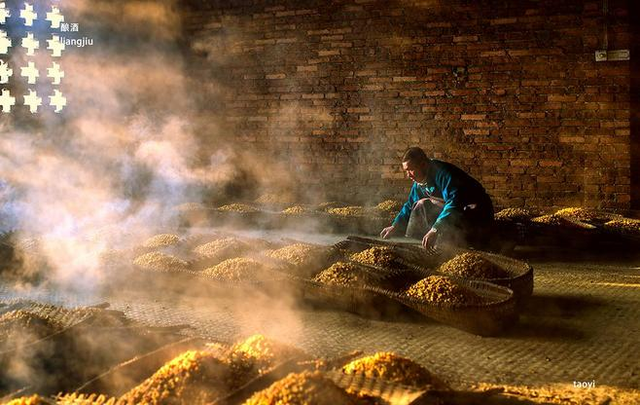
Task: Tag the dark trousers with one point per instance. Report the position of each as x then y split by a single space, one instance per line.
470 227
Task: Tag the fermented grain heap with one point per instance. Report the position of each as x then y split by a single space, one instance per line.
394 368
514 214
243 208
194 377
32 400
340 273
296 209
549 219
19 326
625 225
441 290
302 389
377 255
264 353
162 240
351 211
221 249
300 255
160 262
239 269
390 205
472 265
585 214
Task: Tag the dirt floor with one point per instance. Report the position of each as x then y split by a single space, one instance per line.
582 325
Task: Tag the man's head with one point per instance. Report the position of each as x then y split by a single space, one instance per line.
415 164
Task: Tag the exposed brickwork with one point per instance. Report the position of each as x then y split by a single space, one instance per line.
508 90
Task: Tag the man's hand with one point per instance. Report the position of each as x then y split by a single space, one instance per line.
429 239
388 232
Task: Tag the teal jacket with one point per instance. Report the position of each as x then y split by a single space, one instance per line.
453 185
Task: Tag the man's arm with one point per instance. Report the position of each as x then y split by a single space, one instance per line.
402 219
451 193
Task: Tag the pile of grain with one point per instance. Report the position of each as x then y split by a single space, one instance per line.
194 377
296 209
340 273
304 388
243 208
300 254
32 400
162 240
221 249
394 368
377 256
323 206
160 262
625 225
390 205
351 211
239 269
515 214
586 214
19 326
441 290
264 353
549 219
472 265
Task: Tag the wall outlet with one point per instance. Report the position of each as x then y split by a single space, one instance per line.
612 56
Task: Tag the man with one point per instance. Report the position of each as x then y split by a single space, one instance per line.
444 203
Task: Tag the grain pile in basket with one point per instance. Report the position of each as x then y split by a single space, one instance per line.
20 325
625 225
296 210
442 290
585 214
221 249
263 353
160 262
240 269
304 388
472 265
303 257
389 366
377 256
390 205
241 208
351 211
341 273
32 400
549 219
514 214
162 240
194 377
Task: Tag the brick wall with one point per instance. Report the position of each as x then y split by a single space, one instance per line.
336 91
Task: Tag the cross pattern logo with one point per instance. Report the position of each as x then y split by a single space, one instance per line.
4 13
32 101
58 101
6 101
28 15
56 46
54 73
5 72
30 44
5 43
55 17
30 72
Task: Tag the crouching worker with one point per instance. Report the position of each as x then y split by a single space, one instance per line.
445 204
